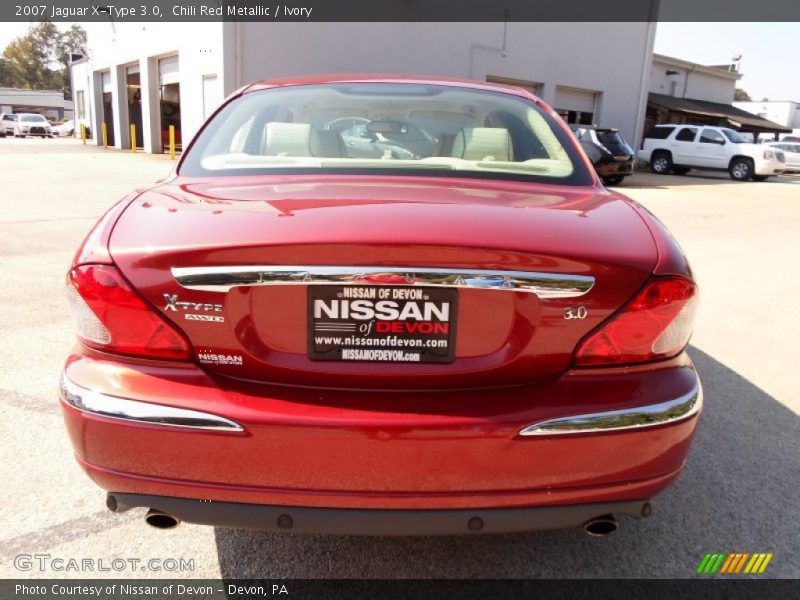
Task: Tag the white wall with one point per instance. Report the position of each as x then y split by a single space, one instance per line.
695 83
81 83
610 58
784 113
113 46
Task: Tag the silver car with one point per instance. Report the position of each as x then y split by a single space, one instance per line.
792 152
32 124
7 121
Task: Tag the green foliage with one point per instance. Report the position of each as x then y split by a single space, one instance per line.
39 60
739 95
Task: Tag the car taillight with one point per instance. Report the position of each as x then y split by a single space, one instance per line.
112 317
656 323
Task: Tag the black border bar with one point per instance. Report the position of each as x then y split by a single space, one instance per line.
275 11
406 589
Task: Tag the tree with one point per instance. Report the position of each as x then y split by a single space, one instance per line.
40 59
72 41
739 95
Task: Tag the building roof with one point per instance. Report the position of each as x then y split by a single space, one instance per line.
735 116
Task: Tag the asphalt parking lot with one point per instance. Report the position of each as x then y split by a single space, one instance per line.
740 491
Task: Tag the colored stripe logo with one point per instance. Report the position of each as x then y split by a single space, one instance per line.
734 563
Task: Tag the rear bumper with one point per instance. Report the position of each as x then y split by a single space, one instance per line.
232 442
614 168
348 521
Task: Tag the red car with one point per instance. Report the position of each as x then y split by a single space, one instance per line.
382 306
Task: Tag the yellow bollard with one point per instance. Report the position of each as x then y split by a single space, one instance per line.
83 133
133 137
105 134
172 142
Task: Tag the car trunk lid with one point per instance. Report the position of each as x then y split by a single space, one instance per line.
473 245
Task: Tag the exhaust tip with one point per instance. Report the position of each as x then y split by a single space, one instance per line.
601 526
160 520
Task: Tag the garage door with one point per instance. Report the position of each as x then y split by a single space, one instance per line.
576 106
575 100
168 70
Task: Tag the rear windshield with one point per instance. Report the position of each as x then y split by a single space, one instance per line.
659 133
386 127
613 141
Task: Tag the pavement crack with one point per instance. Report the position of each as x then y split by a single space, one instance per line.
61 533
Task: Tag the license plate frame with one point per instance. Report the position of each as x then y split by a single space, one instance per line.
404 339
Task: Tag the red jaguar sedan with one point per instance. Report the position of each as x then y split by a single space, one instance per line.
381 306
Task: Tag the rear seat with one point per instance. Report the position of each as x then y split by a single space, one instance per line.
302 139
482 143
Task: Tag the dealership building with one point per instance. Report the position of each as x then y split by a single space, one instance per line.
686 92
153 75
49 103
784 112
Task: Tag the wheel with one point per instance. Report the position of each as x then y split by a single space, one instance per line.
661 163
613 180
741 169
680 170
760 177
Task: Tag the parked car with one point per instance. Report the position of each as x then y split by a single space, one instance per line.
65 129
791 152
678 148
610 154
285 337
7 121
32 124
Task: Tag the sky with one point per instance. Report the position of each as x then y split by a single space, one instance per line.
769 63
770 53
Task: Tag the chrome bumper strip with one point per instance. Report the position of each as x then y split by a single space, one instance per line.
222 279
113 407
620 420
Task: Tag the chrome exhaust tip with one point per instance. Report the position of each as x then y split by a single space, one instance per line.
601 526
160 520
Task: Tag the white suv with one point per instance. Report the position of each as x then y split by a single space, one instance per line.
678 148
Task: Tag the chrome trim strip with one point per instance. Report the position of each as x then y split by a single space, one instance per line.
222 279
619 420
113 407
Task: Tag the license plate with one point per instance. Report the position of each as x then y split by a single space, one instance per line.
394 324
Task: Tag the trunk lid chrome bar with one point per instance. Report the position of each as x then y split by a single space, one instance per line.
544 285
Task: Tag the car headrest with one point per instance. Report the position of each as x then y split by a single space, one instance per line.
482 143
291 139
331 144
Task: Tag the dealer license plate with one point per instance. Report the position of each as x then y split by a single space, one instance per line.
395 324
